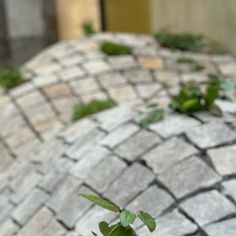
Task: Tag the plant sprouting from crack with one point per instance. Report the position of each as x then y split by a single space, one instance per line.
126 218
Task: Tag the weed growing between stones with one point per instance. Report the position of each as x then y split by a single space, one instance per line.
83 110
11 78
88 28
114 49
195 66
152 117
126 218
188 42
193 98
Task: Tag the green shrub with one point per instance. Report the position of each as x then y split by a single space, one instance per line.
188 42
192 98
83 110
114 49
11 78
152 117
126 218
88 28
195 66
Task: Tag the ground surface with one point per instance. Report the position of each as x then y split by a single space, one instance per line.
181 169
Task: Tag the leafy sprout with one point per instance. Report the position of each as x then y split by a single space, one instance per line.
126 218
114 49
88 28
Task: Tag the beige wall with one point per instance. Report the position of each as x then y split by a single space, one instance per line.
72 13
215 18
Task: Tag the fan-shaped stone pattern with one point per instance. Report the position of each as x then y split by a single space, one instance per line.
187 190
77 71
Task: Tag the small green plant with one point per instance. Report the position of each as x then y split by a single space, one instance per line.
195 66
114 49
192 98
188 42
83 110
11 78
126 218
152 117
88 28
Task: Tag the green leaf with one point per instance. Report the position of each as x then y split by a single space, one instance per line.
118 230
104 228
94 234
101 202
127 218
148 220
152 117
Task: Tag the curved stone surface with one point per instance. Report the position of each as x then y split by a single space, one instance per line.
181 169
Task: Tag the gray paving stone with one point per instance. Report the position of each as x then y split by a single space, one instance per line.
112 79
111 119
6 206
96 67
206 208
138 76
136 145
171 224
224 159
63 191
228 69
122 62
175 124
193 172
207 135
84 167
224 228
42 224
42 81
167 77
72 60
229 188
74 207
31 204
5 157
153 200
168 154
105 173
147 91
71 73
119 135
8 228
22 89
24 185
123 189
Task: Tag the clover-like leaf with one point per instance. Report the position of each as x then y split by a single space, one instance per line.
101 202
127 218
148 220
104 228
118 230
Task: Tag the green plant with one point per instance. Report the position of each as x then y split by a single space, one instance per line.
188 42
192 98
195 66
83 110
126 218
114 49
88 28
152 117
11 78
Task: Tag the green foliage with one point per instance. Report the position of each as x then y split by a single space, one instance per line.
195 66
114 49
188 42
83 110
11 78
152 117
88 28
126 218
192 98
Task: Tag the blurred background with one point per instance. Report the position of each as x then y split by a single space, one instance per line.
28 26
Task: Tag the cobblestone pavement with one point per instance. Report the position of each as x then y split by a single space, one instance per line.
182 169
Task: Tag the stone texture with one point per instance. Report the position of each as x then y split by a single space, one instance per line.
224 228
151 62
168 154
111 79
122 62
208 207
147 91
193 172
207 135
138 76
229 188
173 125
137 145
123 189
96 67
57 90
224 159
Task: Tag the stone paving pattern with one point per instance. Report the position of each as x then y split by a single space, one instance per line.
182 169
